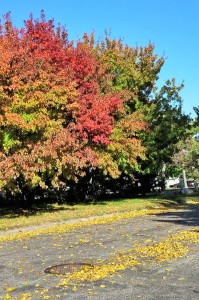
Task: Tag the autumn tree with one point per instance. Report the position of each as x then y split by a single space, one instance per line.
56 120
74 111
39 99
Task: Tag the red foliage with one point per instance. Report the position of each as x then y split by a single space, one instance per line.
95 118
54 115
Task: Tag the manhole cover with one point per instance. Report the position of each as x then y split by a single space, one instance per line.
67 268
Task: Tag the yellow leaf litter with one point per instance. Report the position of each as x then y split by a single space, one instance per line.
117 263
166 250
63 228
171 248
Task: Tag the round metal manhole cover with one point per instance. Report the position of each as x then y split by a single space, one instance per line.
64 269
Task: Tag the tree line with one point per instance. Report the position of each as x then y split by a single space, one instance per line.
80 119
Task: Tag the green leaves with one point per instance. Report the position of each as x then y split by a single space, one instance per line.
69 108
168 126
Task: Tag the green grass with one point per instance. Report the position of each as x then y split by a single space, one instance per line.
42 214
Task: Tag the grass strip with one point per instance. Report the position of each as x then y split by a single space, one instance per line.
63 228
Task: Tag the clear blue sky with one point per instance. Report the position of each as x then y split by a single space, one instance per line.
171 25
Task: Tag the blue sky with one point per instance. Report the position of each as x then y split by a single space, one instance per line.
171 25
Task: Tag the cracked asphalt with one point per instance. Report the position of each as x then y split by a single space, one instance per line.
23 261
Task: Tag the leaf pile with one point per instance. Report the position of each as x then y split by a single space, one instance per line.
171 248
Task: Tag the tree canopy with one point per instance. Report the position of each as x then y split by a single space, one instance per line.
68 108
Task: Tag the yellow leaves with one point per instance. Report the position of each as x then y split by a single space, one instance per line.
126 234
148 241
118 262
25 296
83 241
168 249
20 271
10 289
63 228
171 248
189 235
163 251
65 212
136 244
44 291
108 165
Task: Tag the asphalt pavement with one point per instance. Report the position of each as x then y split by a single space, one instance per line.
23 261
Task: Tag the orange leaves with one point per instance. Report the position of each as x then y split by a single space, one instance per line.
15 120
63 106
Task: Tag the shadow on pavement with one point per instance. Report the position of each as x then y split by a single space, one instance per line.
188 216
